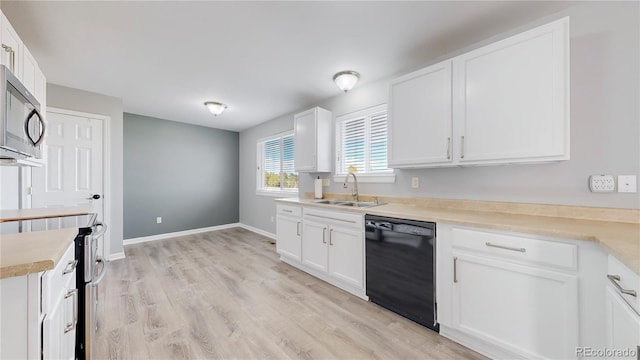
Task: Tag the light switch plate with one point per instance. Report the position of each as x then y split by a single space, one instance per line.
159 220
627 184
415 182
326 182
602 183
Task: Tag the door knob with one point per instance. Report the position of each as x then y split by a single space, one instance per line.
94 197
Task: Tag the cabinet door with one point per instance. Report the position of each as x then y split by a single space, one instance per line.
420 117
511 98
623 324
288 243
346 256
11 52
528 311
53 328
315 245
305 140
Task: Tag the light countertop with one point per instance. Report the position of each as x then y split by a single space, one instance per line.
622 239
43 213
32 252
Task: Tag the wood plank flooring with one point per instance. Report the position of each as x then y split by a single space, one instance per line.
226 295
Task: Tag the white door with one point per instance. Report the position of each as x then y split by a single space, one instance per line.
623 324
346 256
288 243
314 245
74 163
305 138
420 121
528 311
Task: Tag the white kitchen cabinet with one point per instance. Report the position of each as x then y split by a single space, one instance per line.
312 134
40 312
11 51
507 295
420 123
315 251
511 98
289 230
332 246
507 102
622 317
33 78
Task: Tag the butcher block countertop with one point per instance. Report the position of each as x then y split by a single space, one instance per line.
616 230
43 213
32 252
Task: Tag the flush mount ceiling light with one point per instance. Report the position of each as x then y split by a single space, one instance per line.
216 108
346 79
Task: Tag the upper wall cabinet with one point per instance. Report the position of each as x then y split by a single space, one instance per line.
33 78
420 109
507 102
11 51
312 133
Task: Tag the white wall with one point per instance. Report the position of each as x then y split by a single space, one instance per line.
605 128
84 101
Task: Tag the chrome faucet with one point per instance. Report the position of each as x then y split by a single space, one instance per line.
354 188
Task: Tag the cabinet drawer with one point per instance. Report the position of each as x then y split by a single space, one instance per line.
518 248
619 274
289 210
56 281
339 218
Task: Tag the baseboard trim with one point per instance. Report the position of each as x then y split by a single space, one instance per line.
257 231
116 256
178 233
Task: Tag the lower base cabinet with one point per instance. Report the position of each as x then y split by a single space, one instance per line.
526 310
331 246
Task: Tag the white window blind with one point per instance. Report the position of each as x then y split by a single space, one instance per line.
361 142
275 157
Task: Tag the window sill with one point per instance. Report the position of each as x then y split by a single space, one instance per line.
277 193
368 178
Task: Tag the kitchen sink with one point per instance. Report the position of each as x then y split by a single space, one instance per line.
359 204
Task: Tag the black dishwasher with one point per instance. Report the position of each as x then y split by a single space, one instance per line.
401 267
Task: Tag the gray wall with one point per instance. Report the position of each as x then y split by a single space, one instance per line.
605 128
186 174
79 100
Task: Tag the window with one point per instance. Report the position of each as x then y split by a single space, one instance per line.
361 145
276 172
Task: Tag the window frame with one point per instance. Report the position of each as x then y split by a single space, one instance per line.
380 176
260 190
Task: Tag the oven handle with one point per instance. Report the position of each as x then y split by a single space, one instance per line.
102 231
100 259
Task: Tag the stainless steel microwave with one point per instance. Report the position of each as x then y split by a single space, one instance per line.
21 124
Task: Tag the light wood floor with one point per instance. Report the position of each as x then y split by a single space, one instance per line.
225 295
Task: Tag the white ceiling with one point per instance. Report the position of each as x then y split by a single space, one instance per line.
263 59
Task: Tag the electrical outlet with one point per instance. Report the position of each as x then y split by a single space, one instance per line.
601 183
159 220
627 183
326 182
415 182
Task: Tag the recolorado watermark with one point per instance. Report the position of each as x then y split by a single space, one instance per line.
587 351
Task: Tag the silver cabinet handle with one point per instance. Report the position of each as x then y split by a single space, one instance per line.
448 148
324 233
455 269
505 247
298 228
615 280
462 147
71 267
74 293
69 327
12 53
330 236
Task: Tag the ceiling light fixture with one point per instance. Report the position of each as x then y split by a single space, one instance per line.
216 108
346 80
